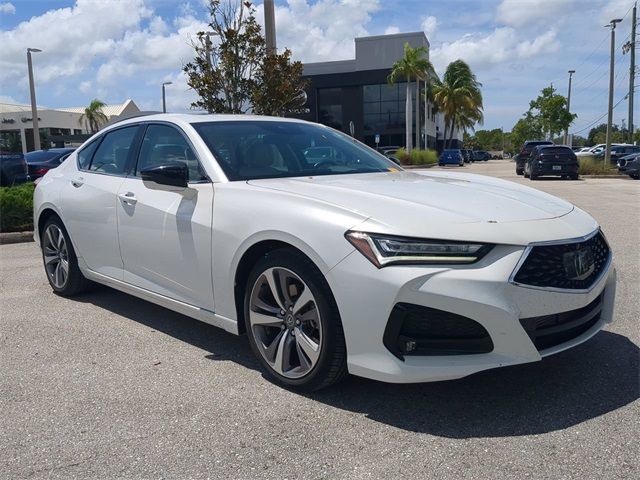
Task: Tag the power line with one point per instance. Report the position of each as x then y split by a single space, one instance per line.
600 117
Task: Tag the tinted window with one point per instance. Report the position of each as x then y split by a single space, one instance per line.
43 155
113 152
162 144
85 155
265 149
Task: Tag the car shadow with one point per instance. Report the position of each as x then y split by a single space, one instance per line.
561 391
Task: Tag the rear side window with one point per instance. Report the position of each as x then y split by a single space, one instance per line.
85 155
113 152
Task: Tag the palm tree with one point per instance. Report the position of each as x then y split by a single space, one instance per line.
93 115
414 64
459 97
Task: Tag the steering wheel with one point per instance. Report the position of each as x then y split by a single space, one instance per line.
325 162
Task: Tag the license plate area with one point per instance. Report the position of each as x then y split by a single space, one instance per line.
556 168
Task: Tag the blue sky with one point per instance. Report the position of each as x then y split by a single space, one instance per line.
114 50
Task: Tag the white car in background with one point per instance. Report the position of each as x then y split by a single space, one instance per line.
330 264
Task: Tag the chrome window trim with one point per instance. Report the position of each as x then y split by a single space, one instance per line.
584 238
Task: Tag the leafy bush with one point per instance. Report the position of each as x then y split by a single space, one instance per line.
417 157
593 166
16 208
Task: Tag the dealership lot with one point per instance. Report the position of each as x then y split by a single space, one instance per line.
109 386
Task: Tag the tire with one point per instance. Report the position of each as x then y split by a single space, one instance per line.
519 171
305 351
573 177
533 176
66 282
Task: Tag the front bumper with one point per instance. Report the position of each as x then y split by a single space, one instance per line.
547 169
482 292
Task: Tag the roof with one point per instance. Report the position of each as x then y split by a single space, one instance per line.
14 107
109 110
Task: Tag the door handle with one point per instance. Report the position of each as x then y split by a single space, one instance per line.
128 198
77 183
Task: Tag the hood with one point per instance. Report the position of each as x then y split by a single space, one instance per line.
454 197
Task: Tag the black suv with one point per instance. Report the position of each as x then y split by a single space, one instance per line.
551 160
525 151
467 155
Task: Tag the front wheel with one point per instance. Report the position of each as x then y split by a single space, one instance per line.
293 323
60 261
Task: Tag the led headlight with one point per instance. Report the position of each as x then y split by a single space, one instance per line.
383 250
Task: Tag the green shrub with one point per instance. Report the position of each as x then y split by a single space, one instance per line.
16 208
417 157
593 166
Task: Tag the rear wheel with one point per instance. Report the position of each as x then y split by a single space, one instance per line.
293 323
60 261
519 171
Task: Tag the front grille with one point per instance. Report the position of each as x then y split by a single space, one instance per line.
417 330
550 330
572 266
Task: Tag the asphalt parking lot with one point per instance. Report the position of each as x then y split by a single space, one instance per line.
109 386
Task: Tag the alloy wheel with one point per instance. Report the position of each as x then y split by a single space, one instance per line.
285 322
56 256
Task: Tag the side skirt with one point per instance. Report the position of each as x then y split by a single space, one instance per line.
192 311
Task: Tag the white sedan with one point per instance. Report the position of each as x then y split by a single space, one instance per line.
330 257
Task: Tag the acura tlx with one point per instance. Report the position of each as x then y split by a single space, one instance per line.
328 256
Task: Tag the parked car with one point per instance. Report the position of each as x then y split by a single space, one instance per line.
13 169
595 150
555 160
619 151
388 150
467 154
632 168
624 161
451 157
41 161
346 264
525 151
481 156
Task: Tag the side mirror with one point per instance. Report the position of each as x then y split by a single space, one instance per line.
175 174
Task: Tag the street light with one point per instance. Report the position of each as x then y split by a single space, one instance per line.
164 100
34 108
566 130
607 151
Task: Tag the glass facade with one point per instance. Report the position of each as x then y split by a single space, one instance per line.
330 107
384 106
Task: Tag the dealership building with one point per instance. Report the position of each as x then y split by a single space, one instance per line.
355 97
56 126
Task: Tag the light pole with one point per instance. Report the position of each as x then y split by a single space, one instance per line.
607 151
34 108
566 130
164 100
208 48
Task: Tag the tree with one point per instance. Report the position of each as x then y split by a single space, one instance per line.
459 97
527 128
278 88
599 134
550 109
93 116
413 65
236 75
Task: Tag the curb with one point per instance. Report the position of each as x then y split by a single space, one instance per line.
15 237
624 177
409 167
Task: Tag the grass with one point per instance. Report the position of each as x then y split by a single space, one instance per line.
16 208
417 157
592 166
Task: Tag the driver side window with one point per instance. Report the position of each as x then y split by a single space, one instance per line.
163 144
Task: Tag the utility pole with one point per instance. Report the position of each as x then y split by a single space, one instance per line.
607 151
632 70
270 27
34 107
566 130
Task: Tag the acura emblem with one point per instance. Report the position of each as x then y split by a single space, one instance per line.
579 264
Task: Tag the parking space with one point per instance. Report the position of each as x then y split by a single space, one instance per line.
109 386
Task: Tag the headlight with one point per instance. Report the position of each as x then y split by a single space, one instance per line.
383 250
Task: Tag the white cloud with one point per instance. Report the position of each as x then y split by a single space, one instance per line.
391 29
429 25
7 8
85 87
322 30
500 46
518 13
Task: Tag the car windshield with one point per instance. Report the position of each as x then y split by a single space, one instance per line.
248 150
